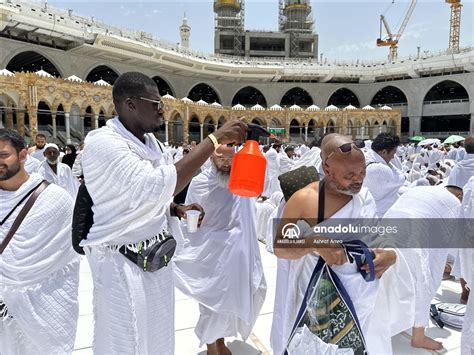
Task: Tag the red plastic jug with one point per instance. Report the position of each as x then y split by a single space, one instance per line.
247 174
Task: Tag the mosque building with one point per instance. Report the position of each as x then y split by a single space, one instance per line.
57 68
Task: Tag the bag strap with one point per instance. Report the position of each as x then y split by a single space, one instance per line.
321 202
21 216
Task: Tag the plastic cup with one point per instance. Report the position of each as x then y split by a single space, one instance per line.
192 218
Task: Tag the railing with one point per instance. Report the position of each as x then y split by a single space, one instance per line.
444 134
437 102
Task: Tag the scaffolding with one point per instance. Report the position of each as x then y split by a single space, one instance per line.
295 18
230 17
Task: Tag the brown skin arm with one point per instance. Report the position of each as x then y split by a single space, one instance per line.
231 132
302 206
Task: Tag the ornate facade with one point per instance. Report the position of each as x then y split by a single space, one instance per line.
84 105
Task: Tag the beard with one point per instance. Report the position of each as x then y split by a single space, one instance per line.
223 178
40 146
351 190
10 172
52 162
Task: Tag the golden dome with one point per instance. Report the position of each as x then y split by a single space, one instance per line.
218 4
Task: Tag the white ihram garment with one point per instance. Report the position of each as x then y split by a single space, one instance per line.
466 261
39 273
220 265
272 171
462 171
383 181
264 212
131 187
426 264
382 306
32 164
63 178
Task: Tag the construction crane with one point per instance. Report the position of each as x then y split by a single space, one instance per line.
392 39
455 25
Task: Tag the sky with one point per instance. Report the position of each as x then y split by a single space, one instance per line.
347 29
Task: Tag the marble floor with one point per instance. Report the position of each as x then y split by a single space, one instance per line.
187 314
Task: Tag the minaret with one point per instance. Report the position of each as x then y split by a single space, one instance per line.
185 31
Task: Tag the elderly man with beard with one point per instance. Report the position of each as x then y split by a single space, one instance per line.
39 270
378 310
220 265
57 173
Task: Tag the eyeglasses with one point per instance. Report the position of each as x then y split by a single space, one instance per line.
157 104
345 148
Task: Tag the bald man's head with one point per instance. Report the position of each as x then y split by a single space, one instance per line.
345 172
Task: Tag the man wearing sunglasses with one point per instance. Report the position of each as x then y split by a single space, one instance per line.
344 198
132 187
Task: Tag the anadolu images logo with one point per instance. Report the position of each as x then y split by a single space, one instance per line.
291 231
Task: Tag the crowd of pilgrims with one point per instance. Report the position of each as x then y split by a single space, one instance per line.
229 305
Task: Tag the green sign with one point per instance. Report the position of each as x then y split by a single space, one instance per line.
277 130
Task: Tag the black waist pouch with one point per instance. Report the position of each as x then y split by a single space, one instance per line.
154 257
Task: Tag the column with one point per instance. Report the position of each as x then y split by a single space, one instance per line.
324 129
96 120
268 138
68 127
81 120
301 131
55 130
471 131
166 132
362 132
9 119
305 133
33 115
20 123
415 126
201 126
216 127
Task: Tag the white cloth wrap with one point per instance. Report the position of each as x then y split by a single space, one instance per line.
426 264
131 187
63 178
272 183
466 261
378 308
32 164
39 273
379 174
462 171
220 264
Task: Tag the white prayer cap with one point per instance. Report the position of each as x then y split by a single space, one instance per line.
51 145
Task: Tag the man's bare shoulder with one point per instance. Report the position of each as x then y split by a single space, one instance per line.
307 194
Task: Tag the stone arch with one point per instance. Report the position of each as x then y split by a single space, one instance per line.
204 91
343 97
295 129
296 96
259 121
221 121
104 72
350 129
164 86
176 124
60 119
446 90
194 128
249 96
389 95
331 126
88 114
32 61
209 125
44 114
